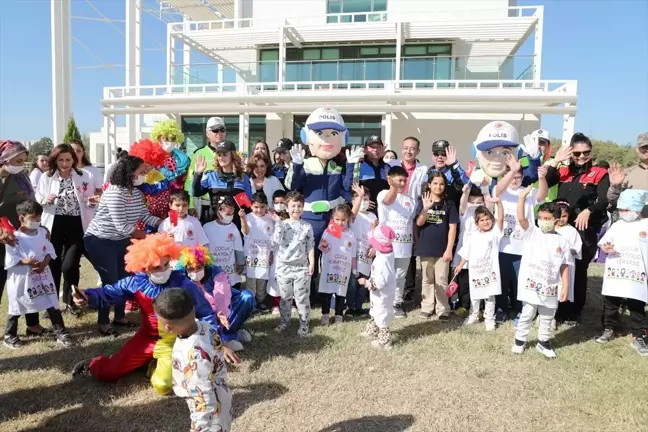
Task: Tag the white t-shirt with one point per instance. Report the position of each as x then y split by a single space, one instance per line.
337 263
34 177
626 271
224 240
95 176
576 249
188 232
258 245
361 227
481 250
539 282
512 242
467 226
400 217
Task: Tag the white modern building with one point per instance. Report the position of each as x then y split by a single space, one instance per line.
434 69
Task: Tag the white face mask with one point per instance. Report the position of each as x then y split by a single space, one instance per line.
33 225
161 277
546 226
13 169
226 218
168 146
628 215
197 276
364 206
139 180
280 207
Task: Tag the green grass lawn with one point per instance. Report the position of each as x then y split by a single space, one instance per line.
438 377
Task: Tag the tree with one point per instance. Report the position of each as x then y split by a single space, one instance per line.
72 131
43 145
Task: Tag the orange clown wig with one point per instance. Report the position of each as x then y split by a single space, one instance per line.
150 152
195 256
144 255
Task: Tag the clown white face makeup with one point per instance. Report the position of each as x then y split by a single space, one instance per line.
325 143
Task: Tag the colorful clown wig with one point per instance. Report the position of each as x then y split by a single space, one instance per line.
144 255
150 152
167 130
195 256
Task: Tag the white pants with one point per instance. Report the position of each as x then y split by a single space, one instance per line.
546 315
401 265
489 310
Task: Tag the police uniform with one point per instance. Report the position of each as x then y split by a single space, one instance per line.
280 171
373 177
455 175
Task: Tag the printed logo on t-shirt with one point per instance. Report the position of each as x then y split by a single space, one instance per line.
230 237
622 273
334 278
435 216
44 248
189 234
267 228
546 291
643 235
559 250
485 281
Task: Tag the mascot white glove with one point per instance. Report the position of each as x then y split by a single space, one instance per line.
531 146
297 154
355 154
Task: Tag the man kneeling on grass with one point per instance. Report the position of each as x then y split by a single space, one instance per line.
149 260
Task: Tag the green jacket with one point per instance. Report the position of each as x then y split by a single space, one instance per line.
552 193
209 155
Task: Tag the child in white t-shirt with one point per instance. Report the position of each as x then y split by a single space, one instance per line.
225 240
544 274
626 269
338 263
278 200
257 228
185 229
363 222
396 209
575 243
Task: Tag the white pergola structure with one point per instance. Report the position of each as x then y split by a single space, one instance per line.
61 20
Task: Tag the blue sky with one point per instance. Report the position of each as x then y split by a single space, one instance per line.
602 44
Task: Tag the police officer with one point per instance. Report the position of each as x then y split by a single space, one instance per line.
444 158
280 169
372 171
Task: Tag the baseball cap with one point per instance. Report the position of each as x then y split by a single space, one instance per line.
284 145
642 140
440 145
225 146
497 134
374 139
215 123
541 134
325 118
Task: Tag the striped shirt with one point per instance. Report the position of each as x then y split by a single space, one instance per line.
118 212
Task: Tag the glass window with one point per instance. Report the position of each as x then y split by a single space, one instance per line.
379 5
356 6
388 50
312 54
330 54
416 50
369 51
268 55
439 49
334 6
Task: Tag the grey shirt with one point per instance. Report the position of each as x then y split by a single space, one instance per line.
294 240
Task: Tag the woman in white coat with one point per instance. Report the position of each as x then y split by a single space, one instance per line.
67 195
261 178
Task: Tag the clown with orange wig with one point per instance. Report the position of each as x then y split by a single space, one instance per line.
231 306
149 260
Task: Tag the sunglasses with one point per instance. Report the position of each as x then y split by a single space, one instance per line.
584 153
439 154
219 130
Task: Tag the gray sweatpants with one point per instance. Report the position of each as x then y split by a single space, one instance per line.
294 282
258 287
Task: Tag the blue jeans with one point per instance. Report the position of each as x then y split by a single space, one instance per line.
241 308
107 258
509 271
356 294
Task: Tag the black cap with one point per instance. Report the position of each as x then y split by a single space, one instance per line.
225 146
375 139
440 145
284 145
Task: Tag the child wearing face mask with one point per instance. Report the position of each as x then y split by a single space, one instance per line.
481 250
30 286
278 200
225 240
575 245
626 269
508 190
257 228
544 274
185 229
471 198
339 263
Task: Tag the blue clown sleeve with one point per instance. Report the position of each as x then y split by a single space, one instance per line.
154 189
182 163
204 312
112 294
531 172
248 188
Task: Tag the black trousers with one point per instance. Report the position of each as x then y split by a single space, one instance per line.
32 318
54 315
326 304
637 310
568 311
410 291
67 239
463 280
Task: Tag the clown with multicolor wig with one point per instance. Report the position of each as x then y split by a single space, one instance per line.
150 262
231 306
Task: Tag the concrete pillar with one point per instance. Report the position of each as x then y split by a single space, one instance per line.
61 46
133 63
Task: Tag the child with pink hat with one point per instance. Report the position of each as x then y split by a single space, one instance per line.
382 287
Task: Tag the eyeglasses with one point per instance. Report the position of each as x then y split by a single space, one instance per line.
583 153
219 130
439 154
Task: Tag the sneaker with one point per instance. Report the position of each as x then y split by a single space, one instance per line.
244 335
263 308
607 336
282 327
303 330
490 326
639 344
461 312
518 347
275 310
554 325
234 345
362 313
12 342
425 315
65 339
339 319
546 349
516 320
472 319
43 332
399 312
81 369
326 320
377 344
350 313
570 323
500 316
444 318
